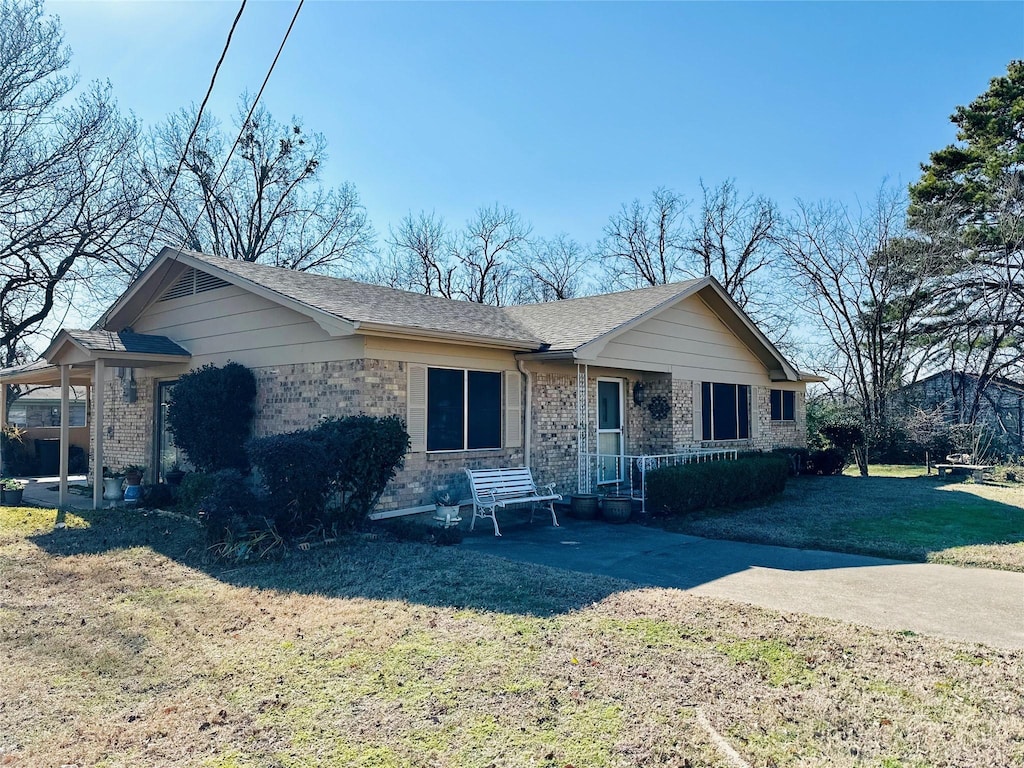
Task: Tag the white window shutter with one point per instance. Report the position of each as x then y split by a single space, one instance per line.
755 411
416 402
513 409
698 416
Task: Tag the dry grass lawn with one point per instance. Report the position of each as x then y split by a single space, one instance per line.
897 512
122 648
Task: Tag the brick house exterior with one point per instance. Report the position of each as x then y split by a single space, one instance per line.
640 371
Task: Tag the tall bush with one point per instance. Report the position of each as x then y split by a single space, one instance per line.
330 476
689 487
294 470
364 453
210 413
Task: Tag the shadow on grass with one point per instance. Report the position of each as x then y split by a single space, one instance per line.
533 569
362 565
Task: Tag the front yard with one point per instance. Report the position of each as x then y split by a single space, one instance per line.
122 647
897 512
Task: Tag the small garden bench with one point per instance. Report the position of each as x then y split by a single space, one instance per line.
493 488
977 470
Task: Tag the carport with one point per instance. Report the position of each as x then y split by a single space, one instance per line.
82 358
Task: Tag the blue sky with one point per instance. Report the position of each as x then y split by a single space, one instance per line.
564 111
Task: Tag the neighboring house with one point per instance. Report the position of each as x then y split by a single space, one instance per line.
37 411
1001 405
571 388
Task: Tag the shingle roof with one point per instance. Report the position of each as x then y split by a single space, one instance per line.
571 323
126 341
367 303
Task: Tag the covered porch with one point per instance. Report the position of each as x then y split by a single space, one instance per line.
83 358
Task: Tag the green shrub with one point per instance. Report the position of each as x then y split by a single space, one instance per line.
688 487
194 486
294 470
797 458
363 454
15 453
228 509
330 476
210 412
830 461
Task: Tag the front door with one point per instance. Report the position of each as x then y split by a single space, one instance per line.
168 455
609 431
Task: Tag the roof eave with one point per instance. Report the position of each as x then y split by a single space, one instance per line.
411 332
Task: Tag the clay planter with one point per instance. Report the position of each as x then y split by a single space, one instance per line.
617 509
584 506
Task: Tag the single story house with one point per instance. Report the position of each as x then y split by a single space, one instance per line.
578 390
1001 404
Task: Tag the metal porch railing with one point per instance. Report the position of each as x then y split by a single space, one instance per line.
626 475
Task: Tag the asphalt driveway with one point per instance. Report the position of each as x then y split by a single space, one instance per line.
971 604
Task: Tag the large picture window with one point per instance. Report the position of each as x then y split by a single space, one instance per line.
725 410
783 405
463 409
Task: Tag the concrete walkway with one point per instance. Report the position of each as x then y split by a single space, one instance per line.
972 604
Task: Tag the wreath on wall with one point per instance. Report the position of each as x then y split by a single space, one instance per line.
658 407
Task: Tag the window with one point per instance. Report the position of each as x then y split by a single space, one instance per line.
783 405
36 415
725 411
463 409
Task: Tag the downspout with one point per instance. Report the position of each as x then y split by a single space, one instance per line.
527 429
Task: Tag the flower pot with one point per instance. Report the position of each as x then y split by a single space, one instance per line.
174 477
617 509
112 488
132 494
584 506
446 516
11 497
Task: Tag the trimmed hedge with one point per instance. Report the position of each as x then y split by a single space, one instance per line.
331 476
209 413
689 487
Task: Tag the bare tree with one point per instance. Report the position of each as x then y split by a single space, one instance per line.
865 284
553 268
644 243
487 253
734 239
269 206
69 198
419 256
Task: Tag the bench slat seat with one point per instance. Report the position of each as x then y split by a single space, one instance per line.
502 487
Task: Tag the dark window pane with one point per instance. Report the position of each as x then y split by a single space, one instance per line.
608 416
705 410
724 417
743 411
484 410
789 406
776 404
445 409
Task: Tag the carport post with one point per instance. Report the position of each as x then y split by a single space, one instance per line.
65 433
97 438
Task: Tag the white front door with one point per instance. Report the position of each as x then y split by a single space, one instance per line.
609 431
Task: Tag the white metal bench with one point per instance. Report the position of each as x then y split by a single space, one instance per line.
493 488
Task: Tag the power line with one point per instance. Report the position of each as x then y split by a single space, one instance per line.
195 129
245 122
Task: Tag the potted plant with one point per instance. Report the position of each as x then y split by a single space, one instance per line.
446 509
112 484
133 478
174 475
617 509
584 506
11 491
